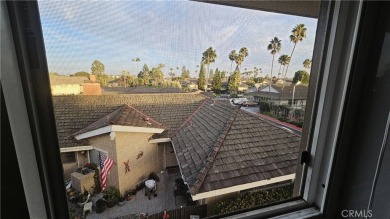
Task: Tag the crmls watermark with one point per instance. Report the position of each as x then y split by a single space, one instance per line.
356 213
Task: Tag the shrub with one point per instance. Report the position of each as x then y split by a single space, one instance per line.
101 205
252 199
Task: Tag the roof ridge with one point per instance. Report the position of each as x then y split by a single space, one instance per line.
140 112
214 152
118 115
190 117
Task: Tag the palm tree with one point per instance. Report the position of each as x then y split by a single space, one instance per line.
298 33
232 57
284 60
307 64
136 60
209 57
275 47
243 54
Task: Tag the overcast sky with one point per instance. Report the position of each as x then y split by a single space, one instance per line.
171 32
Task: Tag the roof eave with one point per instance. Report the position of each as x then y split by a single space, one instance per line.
118 128
217 192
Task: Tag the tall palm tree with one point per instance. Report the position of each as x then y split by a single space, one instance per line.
232 57
136 60
298 33
275 47
243 53
307 64
284 60
209 57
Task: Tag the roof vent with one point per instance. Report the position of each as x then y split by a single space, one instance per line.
146 119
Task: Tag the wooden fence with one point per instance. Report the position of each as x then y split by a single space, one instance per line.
183 213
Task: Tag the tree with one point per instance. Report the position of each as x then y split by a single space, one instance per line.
97 68
211 74
275 47
81 74
307 64
283 60
136 60
185 74
234 81
209 57
243 53
144 75
223 75
232 57
302 76
202 77
125 73
298 33
217 82
156 75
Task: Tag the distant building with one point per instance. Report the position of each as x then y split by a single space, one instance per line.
283 96
65 85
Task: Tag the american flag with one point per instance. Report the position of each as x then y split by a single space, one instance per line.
105 165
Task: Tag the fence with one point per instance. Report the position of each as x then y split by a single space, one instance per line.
183 213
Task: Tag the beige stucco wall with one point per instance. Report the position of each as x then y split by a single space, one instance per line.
69 168
129 145
126 146
104 143
66 89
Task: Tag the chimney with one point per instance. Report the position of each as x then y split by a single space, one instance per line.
92 78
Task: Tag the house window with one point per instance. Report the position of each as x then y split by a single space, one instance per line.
147 121
69 157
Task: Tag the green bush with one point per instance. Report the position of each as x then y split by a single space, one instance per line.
252 199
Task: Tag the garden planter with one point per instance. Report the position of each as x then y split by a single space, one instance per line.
101 205
111 203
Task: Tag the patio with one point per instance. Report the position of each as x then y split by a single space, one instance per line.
140 203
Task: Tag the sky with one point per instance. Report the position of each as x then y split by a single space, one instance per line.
174 33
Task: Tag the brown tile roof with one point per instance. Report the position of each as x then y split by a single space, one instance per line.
139 90
286 94
74 113
231 147
58 80
125 116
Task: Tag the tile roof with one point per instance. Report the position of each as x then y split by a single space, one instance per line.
124 116
73 113
139 90
223 146
59 80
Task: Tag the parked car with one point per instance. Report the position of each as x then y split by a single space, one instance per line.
249 103
238 101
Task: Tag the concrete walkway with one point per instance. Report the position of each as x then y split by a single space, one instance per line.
140 203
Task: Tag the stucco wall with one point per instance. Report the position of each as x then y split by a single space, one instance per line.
104 143
66 89
69 168
129 145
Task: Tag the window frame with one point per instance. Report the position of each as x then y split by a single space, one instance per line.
36 149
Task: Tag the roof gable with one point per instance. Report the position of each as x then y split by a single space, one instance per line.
125 115
73 113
